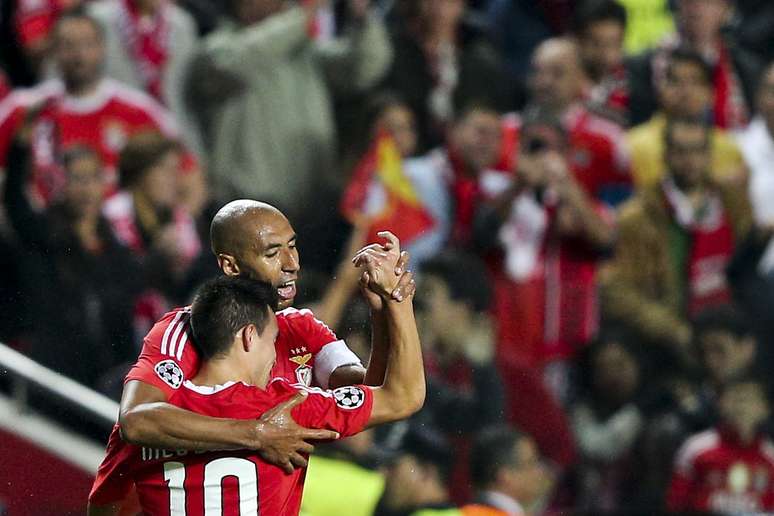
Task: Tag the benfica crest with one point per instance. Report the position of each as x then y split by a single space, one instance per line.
303 371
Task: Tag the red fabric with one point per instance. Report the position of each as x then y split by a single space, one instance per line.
300 334
729 106
466 194
610 96
103 121
276 493
711 249
535 411
598 156
147 40
401 212
715 472
34 19
710 253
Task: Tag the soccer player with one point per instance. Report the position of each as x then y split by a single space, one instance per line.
235 330
252 239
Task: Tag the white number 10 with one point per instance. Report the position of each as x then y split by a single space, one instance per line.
214 472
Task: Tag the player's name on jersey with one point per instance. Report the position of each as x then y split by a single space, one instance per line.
158 453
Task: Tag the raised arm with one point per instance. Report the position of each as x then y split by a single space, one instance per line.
403 391
147 419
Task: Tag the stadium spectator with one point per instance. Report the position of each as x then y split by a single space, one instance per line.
728 469
446 180
148 218
757 144
416 478
608 422
684 91
265 89
598 157
518 26
80 107
149 45
76 277
727 347
700 25
508 474
465 391
33 24
441 65
548 234
600 26
674 241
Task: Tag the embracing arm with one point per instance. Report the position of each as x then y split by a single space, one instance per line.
147 419
403 391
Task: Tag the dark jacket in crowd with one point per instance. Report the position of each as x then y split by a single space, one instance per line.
79 303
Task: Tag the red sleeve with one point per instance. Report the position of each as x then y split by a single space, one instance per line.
113 482
345 410
167 357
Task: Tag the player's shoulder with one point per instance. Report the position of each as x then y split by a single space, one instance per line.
300 318
167 332
22 98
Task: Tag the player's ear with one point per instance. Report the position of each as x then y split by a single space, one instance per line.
249 337
228 264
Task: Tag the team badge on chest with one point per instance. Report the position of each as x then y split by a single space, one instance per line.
303 371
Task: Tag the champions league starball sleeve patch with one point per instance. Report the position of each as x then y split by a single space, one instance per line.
170 373
349 397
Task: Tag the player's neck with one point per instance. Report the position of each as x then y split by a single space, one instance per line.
229 369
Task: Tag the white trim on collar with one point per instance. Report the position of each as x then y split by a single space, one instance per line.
208 389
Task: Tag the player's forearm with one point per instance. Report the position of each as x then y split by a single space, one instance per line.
161 425
403 391
377 363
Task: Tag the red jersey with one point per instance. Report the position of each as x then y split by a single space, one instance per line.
171 483
598 156
103 120
307 351
715 472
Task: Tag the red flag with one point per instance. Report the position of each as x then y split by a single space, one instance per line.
382 196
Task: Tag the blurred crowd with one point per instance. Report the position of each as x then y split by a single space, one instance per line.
586 189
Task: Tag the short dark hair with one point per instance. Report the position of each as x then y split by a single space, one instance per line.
429 447
492 450
465 277
224 305
724 318
688 55
79 13
143 150
595 11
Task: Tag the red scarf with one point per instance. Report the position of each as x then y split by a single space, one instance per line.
466 195
711 247
148 42
730 109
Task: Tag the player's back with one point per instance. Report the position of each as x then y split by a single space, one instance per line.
180 482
